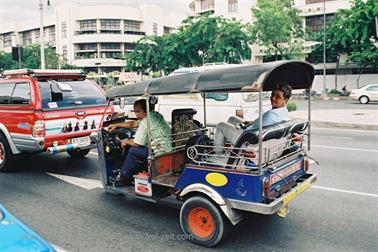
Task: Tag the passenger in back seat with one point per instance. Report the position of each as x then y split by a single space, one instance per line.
231 130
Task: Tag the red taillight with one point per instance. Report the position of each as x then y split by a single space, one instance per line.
306 164
38 129
297 139
266 187
239 113
249 154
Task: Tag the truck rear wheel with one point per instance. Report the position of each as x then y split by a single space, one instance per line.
6 155
202 221
78 153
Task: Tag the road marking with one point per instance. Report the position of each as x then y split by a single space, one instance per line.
345 191
58 249
338 129
93 153
87 184
342 138
343 148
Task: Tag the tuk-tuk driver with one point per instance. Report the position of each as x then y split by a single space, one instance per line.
231 129
160 131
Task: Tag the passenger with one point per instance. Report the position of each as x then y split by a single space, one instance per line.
160 142
231 129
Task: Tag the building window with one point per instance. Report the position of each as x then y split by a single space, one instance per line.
64 52
111 55
129 46
207 4
110 24
36 34
88 25
88 47
7 39
111 46
155 28
26 38
52 34
167 30
64 30
315 23
232 5
131 25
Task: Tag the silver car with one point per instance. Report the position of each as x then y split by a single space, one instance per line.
365 94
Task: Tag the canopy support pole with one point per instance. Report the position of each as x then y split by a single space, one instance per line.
260 129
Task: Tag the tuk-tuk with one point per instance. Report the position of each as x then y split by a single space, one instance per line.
262 173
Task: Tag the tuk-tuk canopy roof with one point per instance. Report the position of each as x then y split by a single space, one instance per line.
240 78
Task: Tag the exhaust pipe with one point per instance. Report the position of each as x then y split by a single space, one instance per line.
62 148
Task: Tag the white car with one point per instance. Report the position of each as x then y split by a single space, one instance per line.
365 94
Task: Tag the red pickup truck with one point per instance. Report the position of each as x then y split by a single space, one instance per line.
48 110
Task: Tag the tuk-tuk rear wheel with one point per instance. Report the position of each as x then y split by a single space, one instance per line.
202 221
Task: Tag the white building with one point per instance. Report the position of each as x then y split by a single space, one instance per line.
95 38
312 12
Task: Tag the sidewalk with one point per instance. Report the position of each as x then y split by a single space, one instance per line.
341 118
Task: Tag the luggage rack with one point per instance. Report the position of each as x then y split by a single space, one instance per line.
244 158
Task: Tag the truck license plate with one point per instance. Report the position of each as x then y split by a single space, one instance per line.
81 141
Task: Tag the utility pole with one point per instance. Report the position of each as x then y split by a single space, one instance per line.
41 33
324 49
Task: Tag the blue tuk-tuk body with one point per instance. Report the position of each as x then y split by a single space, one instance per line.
264 171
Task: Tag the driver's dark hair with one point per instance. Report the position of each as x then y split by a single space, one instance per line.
285 88
142 103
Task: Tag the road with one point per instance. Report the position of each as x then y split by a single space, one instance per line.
338 104
338 214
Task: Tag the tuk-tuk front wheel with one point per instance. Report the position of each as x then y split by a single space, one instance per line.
202 221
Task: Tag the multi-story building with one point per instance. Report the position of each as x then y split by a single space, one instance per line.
95 38
312 12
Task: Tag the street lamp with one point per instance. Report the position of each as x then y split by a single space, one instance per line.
41 33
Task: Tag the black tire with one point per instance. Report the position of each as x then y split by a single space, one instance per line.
78 153
6 155
364 99
202 221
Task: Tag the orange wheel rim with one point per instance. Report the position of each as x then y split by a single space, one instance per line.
201 222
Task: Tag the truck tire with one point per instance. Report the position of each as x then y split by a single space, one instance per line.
78 153
202 221
6 155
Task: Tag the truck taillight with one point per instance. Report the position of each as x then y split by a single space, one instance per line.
306 164
266 187
239 113
38 129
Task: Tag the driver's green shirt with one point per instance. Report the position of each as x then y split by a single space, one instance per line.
160 133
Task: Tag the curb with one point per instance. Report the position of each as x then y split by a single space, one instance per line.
322 124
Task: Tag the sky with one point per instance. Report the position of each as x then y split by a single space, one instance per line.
14 10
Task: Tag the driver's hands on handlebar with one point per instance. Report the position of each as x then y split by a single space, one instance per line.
112 127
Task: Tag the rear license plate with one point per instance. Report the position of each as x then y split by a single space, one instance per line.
303 187
81 141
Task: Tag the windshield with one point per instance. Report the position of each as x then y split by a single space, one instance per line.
254 96
83 93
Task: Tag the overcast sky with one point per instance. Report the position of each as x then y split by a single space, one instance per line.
12 10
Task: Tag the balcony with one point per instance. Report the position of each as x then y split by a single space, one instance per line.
105 38
99 62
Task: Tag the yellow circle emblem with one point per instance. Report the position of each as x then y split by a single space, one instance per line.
216 179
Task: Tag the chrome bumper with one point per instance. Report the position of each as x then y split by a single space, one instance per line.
274 206
68 147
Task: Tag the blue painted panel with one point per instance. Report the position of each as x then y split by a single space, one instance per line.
239 186
16 236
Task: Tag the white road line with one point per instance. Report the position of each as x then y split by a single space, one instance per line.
339 129
58 249
341 138
343 148
87 184
345 191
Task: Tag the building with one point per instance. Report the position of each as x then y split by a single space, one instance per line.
95 38
312 12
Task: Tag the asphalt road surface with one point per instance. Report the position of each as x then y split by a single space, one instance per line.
338 104
339 213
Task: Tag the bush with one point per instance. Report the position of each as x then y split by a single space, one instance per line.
334 92
291 106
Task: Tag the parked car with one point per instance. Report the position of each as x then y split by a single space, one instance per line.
16 236
365 94
48 110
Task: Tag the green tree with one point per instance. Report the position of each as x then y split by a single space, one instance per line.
278 28
6 62
198 40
